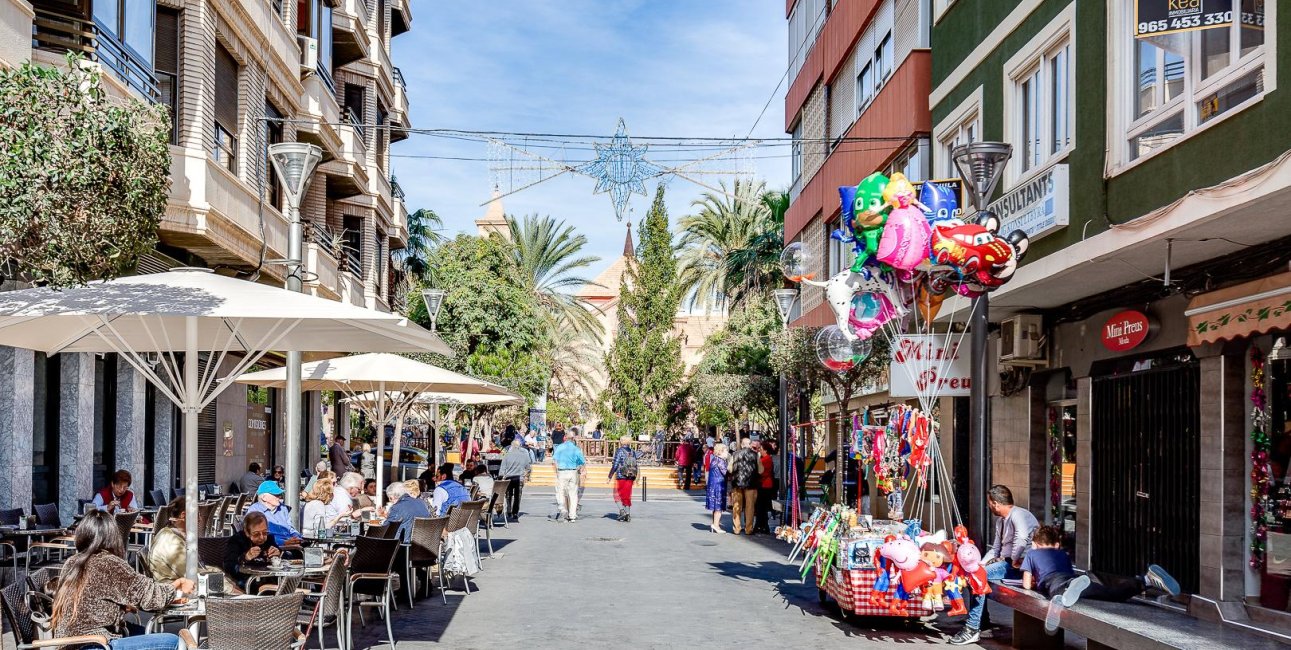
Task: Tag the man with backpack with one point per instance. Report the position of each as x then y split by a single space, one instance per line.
624 470
745 481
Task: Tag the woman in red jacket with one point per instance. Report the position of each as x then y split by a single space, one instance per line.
766 488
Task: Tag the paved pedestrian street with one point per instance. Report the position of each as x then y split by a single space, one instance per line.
661 581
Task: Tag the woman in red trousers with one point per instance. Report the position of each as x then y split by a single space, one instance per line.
624 471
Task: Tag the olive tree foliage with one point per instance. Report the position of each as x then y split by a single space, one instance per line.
83 176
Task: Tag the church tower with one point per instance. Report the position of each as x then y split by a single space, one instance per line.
494 219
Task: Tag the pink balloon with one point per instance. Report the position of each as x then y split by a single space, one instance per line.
903 553
905 239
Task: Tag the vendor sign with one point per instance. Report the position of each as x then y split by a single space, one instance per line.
922 361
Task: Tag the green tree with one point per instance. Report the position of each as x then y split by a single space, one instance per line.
549 255
736 372
423 235
644 365
83 176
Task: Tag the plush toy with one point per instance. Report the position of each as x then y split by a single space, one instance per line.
968 563
869 215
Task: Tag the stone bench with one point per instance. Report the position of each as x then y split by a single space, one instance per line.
1119 625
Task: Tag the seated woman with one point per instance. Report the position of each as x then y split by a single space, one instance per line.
117 495
97 584
166 560
319 513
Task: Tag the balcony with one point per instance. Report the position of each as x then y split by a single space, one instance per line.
324 278
351 288
320 115
350 40
55 30
399 108
400 16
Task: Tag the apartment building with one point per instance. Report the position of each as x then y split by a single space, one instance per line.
1150 169
237 76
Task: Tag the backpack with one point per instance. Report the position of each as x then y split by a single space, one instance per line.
628 469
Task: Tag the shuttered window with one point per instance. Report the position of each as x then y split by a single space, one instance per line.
225 150
167 65
272 135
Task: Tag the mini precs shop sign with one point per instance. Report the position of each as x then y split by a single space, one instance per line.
1126 330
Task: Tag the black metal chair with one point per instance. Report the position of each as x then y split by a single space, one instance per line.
267 623
424 546
371 575
47 514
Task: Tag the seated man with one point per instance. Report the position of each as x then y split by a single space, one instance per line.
251 546
270 506
448 492
1047 570
404 507
251 480
366 499
117 496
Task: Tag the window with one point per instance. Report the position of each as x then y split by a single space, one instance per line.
167 66
913 162
125 40
865 86
381 134
272 135
225 149
1170 85
795 153
883 57
963 125
314 19
805 21
1039 111
876 55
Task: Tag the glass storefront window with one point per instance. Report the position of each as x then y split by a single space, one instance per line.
1062 471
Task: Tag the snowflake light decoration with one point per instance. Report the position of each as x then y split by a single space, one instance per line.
620 169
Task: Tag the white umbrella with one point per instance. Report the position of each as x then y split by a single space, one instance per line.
193 311
395 381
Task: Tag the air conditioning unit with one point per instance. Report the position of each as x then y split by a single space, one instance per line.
308 53
1020 338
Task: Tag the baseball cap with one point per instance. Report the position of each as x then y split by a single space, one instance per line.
269 487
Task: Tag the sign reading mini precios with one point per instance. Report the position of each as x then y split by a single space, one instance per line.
1158 17
1126 330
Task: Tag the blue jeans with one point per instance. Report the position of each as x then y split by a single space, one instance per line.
163 641
997 571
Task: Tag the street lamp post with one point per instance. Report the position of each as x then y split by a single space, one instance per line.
784 300
295 163
434 299
980 165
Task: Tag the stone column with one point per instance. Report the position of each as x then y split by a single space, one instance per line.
17 426
1224 480
132 392
163 444
75 431
1084 450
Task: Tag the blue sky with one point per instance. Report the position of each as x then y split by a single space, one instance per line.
667 67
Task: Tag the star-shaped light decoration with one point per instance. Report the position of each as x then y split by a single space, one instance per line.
620 169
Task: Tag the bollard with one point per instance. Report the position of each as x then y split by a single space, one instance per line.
643 487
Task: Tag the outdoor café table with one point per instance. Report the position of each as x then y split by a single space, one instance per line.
34 531
257 571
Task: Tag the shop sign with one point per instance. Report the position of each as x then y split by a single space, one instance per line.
1126 330
925 364
1037 207
1158 17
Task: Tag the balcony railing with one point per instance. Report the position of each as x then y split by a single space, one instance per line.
395 190
356 122
398 79
58 31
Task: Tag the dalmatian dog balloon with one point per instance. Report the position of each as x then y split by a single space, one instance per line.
840 289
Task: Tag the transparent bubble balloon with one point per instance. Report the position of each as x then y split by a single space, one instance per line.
837 352
796 263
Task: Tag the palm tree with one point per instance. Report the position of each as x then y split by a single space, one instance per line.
725 223
423 234
572 360
549 254
755 269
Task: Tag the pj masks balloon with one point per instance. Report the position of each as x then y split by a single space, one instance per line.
940 201
868 214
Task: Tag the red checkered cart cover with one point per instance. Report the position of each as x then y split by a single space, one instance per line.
851 588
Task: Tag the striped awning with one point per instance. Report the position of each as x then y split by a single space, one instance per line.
1246 309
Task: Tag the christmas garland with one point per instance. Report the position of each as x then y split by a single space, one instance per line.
1055 466
1260 506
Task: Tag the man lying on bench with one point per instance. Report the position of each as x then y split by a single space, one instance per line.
1047 570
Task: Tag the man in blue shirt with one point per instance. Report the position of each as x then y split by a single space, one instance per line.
570 467
269 502
448 492
404 507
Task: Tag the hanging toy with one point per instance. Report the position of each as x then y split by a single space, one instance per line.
904 244
953 584
937 557
968 563
918 435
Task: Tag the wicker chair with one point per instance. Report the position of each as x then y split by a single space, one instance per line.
158 498
371 575
234 515
464 516
500 488
211 550
161 520
391 531
253 623
47 514
497 503
19 617
205 519
10 517
378 531
329 604
424 546
219 519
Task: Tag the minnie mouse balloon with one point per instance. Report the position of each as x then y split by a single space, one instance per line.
796 263
837 352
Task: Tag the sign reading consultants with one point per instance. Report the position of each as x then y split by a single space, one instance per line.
1158 17
921 362
1038 206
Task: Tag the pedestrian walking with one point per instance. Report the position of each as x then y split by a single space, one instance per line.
570 467
683 458
1013 530
516 465
766 489
745 480
368 462
715 496
623 470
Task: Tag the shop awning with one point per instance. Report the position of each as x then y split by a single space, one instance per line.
1246 309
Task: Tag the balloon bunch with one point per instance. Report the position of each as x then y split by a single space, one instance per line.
912 249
